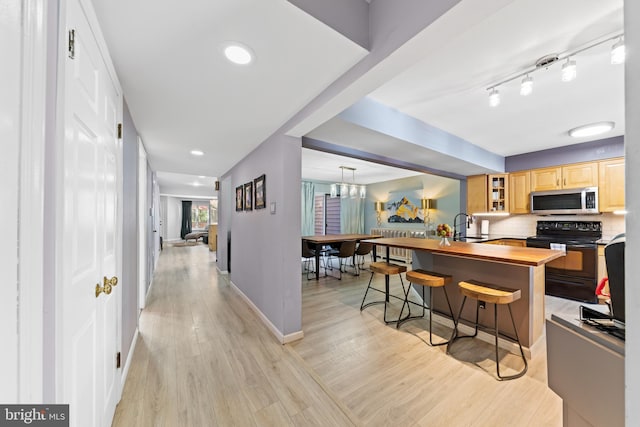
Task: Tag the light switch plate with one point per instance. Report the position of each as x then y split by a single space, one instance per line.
272 207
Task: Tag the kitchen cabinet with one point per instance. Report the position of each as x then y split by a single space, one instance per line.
487 193
519 186
213 237
611 185
576 175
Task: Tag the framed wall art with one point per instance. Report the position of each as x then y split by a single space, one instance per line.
260 192
248 196
239 198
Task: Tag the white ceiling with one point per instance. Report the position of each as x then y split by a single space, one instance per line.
184 95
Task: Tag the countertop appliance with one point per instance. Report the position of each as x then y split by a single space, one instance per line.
573 276
567 201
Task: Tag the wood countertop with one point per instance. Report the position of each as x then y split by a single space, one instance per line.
497 253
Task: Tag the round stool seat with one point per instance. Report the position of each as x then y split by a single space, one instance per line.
428 278
488 293
386 268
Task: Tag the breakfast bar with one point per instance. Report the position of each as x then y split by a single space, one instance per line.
509 266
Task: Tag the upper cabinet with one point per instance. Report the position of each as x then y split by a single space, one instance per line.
611 188
519 185
487 193
570 176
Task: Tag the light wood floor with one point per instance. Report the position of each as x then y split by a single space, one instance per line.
204 358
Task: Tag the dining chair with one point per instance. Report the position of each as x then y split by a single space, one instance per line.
363 249
347 250
309 256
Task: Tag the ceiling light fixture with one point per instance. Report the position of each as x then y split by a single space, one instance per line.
591 129
618 52
348 190
494 97
569 70
526 87
238 53
197 153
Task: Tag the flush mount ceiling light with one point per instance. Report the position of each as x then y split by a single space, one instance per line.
197 153
494 97
618 52
569 70
591 129
238 53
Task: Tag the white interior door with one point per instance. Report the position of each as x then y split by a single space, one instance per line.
90 323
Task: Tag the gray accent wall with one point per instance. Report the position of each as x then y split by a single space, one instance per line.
129 279
265 247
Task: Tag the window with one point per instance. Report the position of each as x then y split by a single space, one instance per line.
199 216
327 214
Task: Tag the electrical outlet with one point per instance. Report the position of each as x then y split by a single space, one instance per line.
482 304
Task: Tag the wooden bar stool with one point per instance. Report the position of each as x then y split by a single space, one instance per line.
387 269
433 280
495 295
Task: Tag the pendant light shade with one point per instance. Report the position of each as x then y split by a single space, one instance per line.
346 190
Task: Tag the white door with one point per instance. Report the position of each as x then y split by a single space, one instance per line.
91 214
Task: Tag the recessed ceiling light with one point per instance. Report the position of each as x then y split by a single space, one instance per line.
238 53
201 176
197 153
196 184
591 129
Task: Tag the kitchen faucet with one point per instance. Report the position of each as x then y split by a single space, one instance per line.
469 221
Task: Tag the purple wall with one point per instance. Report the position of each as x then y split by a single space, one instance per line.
265 247
585 152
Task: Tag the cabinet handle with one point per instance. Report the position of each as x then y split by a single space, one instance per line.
557 183
565 181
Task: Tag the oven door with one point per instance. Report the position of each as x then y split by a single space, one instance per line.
574 275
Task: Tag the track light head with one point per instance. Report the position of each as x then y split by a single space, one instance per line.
494 97
526 87
618 52
569 70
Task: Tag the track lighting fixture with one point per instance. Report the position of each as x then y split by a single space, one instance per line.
569 67
618 52
569 70
526 87
494 97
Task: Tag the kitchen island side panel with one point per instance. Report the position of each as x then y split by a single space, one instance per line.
528 311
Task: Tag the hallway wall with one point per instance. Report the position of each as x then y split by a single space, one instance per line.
265 247
129 277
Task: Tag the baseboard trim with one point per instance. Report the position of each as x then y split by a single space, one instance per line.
127 363
282 339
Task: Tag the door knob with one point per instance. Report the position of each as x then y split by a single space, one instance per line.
107 288
111 282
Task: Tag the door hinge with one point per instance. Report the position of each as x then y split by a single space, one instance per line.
117 360
72 44
119 130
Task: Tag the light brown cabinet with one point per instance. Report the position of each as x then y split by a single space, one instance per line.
508 242
611 185
213 237
487 193
570 176
519 186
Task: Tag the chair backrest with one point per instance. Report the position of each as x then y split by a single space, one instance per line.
614 257
347 248
364 248
306 251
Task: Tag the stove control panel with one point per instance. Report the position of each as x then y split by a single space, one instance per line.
572 228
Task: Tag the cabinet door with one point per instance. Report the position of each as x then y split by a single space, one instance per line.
580 175
498 194
519 185
546 179
477 194
611 185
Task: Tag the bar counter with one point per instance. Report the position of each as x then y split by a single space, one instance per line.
509 266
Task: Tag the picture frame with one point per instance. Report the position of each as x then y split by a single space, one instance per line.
239 198
248 196
260 193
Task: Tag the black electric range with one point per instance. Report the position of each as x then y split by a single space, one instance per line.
573 276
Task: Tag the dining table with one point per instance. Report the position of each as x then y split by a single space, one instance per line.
320 240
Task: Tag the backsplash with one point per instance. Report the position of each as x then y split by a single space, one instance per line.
525 225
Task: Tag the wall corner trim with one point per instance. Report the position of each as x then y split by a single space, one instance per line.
282 339
127 363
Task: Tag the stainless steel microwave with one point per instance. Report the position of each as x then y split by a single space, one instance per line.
563 202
